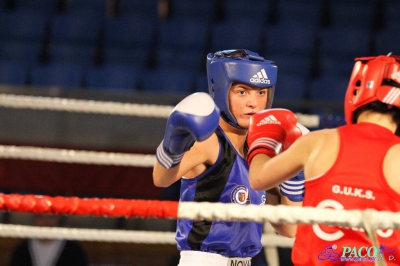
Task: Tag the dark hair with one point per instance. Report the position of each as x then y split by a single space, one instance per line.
382 108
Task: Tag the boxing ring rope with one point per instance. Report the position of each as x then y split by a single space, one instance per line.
106 235
115 108
198 211
76 156
368 219
84 106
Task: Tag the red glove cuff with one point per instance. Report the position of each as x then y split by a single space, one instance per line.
268 146
265 150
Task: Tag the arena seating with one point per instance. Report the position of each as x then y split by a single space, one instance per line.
310 39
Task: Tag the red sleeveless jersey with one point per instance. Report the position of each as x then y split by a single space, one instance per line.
355 181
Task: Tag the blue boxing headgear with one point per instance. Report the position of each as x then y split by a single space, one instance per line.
241 66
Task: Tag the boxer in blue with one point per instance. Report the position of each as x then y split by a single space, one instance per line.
205 146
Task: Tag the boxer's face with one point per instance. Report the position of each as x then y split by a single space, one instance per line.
245 100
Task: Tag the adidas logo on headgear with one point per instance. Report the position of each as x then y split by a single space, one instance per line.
269 120
260 77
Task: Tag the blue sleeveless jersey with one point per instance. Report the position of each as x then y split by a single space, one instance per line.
226 181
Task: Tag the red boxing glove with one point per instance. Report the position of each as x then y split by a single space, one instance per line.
272 131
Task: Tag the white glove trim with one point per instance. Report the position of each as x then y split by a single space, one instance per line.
165 159
267 142
291 192
304 130
293 182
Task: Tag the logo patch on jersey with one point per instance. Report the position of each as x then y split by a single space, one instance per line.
240 195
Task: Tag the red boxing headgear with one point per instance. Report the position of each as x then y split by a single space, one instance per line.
375 78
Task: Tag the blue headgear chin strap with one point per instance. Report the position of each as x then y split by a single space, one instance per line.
241 66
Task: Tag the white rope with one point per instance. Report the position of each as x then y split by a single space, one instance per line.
92 157
311 121
287 214
76 156
84 106
107 235
219 212
111 108
104 235
212 211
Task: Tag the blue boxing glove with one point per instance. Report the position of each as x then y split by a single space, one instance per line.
294 188
195 118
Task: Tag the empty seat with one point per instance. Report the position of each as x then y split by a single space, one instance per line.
290 87
201 83
290 40
304 13
202 10
347 43
168 81
185 59
182 44
139 7
97 6
13 72
256 10
341 67
328 88
327 94
292 64
127 31
385 41
236 34
20 51
24 25
181 33
48 6
391 13
57 75
81 28
137 57
112 77
355 13
72 53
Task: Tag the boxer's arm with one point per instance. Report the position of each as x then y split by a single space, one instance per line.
190 123
274 198
195 118
271 132
391 168
287 230
266 173
191 165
